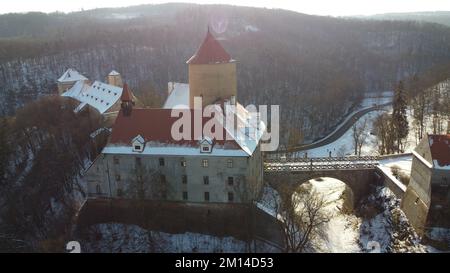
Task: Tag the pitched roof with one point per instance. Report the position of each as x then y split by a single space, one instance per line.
440 150
126 94
210 52
100 96
155 125
71 75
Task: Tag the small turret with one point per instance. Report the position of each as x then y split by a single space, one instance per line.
114 78
127 101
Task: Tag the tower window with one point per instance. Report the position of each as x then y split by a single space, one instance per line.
206 180
98 189
206 196
183 163
184 179
117 177
161 161
185 195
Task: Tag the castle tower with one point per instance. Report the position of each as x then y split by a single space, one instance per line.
212 73
114 78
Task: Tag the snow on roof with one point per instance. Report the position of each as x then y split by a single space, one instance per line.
100 96
113 73
173 150
248 132
139 139
179 96
71 75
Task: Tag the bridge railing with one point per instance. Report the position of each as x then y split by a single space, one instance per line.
320 159
281 168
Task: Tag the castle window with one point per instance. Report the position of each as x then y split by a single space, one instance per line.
116 160
184 179
138 162
230 163
161 161
185 195
205 163
183 163
206 196
230 181
206 180
230 197
119 192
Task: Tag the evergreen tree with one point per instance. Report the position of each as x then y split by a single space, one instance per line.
399 118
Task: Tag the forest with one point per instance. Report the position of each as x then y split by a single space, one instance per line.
316 68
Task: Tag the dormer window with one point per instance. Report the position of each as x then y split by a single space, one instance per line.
138 144
206 145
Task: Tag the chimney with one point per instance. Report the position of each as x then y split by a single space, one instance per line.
233 100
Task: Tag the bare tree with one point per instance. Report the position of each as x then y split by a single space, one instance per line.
359 135
302 217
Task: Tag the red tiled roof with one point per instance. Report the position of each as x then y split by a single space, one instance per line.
440 149
155 125
126 94
210 52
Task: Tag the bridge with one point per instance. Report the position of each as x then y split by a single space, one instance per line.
357 172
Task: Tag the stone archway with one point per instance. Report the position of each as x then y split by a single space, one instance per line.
358 180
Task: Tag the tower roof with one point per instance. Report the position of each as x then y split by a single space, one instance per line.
126 94
210 52
113 73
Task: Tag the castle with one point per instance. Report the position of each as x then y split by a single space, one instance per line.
143 158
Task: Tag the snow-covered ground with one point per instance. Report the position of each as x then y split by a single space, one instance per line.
344 145
122 238
341 232
379 227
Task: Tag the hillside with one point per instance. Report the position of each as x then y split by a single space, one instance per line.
316 68
438 17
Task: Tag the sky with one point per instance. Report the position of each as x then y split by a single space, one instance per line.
317 7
